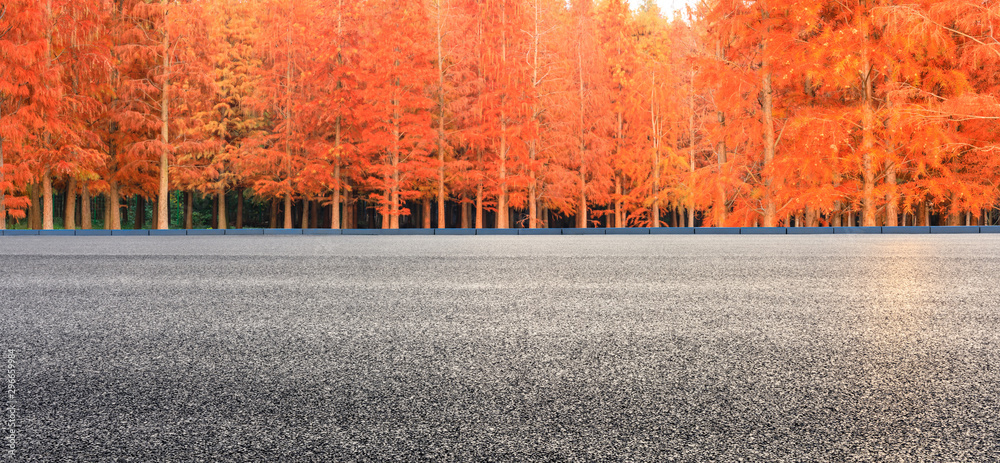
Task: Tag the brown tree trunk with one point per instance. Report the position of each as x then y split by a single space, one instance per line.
288 211
619 218
769 145
305 214
220 196
163 196
156 212
335 203
3 193
426 213
479 193
868 135
691 147
86 221
350 211
35 210
114 208
466 214
69 215
47 222
188 210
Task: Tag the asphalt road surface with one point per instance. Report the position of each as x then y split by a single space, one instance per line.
502 348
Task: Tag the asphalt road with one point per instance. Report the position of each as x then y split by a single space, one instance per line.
644 348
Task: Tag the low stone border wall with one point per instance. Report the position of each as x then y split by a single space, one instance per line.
525 231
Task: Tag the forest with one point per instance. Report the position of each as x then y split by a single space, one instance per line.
498 113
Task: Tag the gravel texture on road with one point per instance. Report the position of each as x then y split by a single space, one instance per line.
503 348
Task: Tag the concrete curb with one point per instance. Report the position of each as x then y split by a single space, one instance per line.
245 231
539 231
671 231
809 231
763 230
496 231
57 232
857 230
953 229
583 231
93 233
627 231
130 232
281 231
717 231
906 230
322 231
455 231
210 231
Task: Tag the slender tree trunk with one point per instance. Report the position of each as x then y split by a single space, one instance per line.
425 215
479 193
35 209
305 213
156 213
335 202
769 144
288 211
288 131
868 135
220 196
350 213
239 208
114 208
188 210
654 117
163 198
86 221
47 220
3 192
721 209
335 205
691 147
47 223
581 213
394 184
892 197
501 219
69 215
533 141
619 219
441 133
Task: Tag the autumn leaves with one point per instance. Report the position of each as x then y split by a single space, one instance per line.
507 113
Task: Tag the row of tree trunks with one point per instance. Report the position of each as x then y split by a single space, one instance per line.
311 213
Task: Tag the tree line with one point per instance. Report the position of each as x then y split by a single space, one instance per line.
498 113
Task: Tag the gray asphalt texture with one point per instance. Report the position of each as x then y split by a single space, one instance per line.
504 348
